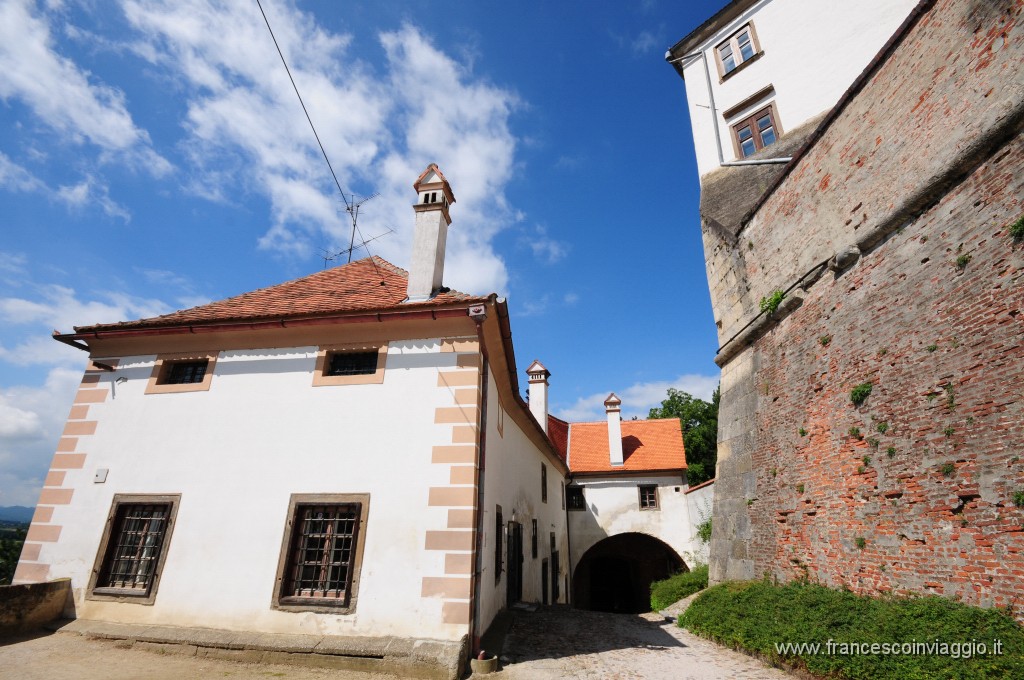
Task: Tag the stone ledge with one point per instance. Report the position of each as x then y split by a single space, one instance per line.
403 656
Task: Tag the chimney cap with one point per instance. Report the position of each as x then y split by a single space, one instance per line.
612 402
433 178
537 371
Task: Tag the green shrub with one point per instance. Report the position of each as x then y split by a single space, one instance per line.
675 588
704 531
757 615
859 393
771 303
1017 229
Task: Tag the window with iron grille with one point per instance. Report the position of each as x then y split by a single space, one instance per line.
322 552
352 363
186 372
739 49
648 496
755 132
133 548
574 498
543 483
533 540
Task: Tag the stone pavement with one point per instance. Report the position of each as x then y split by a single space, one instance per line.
569 643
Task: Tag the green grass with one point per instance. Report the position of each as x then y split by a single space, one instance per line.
756 615
675 588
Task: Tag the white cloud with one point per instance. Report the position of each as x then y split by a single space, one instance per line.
13 177
89 191
638 399
246 131
645 42
545 248
63 96
31 419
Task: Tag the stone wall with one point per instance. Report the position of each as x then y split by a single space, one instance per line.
29 606
890 237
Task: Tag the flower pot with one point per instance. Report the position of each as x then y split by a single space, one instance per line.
483 666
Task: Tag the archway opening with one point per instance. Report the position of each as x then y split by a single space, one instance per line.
615 575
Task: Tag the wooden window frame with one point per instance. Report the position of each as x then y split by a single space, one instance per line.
165 363
733 42
323 363
751 120
100 565
322 605
640 488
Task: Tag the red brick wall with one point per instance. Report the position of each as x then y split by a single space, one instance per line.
923 166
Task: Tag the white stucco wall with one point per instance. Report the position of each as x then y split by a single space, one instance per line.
813 51
613 509
512 479
235 454
698 504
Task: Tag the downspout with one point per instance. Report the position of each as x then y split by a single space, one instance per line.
714 115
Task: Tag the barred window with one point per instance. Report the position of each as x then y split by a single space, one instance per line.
648 496
132 550
574 498
186 372
352 363
323 547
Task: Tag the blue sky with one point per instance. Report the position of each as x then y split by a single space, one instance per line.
153 156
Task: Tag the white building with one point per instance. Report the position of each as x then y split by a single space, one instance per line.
343 455
746 75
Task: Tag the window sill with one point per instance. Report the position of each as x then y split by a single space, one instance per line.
315 605
740 67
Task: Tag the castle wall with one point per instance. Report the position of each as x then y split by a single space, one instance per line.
909 192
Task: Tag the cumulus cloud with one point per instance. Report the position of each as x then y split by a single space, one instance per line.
31 419
63 96
638 399
246 130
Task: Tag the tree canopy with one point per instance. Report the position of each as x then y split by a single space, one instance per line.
699 422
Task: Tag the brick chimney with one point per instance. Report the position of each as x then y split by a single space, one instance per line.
612 407
538 378
426 267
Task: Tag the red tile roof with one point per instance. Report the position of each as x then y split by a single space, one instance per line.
368 284
558 433
646 445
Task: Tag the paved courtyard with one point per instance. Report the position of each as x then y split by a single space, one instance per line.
552 643
567 643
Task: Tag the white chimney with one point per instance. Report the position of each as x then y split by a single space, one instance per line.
538 377
430 234
612 407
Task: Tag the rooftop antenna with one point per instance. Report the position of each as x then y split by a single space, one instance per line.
352 208
328 255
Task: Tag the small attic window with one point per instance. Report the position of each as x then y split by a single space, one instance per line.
350 364
182 373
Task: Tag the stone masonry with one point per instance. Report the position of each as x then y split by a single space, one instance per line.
889 234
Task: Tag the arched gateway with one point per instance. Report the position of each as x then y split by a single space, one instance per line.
615 574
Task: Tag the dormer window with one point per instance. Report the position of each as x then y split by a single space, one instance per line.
739 49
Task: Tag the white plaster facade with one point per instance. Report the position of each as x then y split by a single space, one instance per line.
836 42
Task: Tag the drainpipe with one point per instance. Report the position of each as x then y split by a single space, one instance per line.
474 634
714 115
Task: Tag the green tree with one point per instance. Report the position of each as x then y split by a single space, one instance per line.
10 551
699 422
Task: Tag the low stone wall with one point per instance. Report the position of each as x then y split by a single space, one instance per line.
433 659
31 605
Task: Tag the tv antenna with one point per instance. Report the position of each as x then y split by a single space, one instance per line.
329 256
352 208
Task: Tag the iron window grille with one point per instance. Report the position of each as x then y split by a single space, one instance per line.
533 539
499 527
352 363
543 483
648 496
131 555
574 498
322 555
186 372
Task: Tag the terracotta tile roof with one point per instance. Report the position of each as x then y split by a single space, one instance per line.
364 285
558 433
646 445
